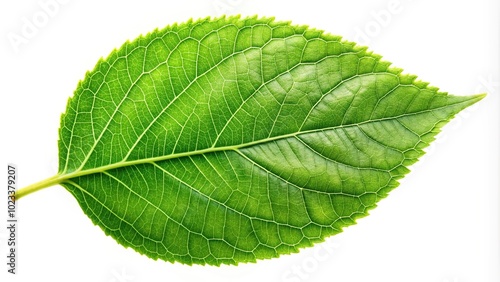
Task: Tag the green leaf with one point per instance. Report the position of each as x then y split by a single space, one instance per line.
230 140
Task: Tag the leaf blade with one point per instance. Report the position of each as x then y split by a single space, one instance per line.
212 152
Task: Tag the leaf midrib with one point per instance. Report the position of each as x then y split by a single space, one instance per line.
80 172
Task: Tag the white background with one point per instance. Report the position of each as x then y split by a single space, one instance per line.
440 225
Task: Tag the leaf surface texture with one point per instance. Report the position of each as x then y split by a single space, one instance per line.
228 140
